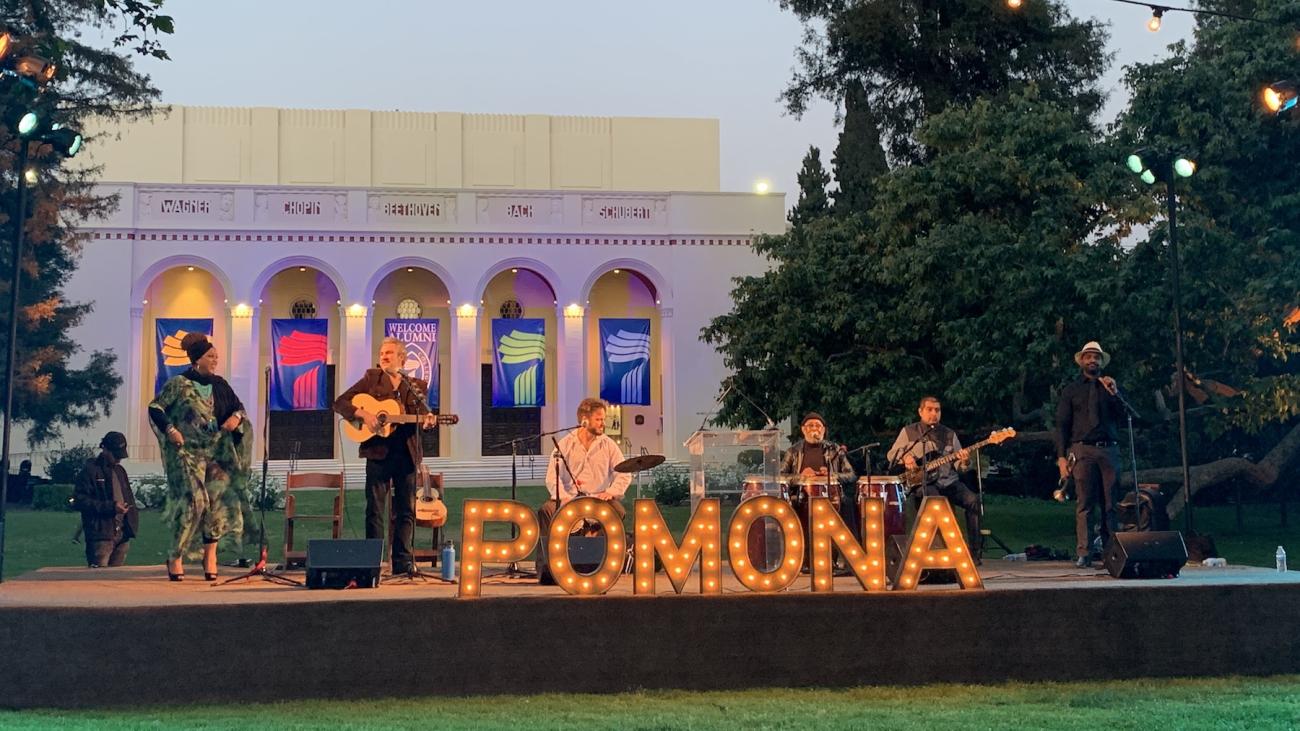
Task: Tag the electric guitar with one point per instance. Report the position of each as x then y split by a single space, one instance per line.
915 477
389 413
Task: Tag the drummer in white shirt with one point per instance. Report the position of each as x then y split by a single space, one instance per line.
591 457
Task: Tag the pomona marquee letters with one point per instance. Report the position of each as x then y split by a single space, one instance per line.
935 542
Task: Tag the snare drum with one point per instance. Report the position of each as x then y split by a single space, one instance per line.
890 489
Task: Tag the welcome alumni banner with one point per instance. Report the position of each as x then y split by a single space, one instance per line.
625 361
421 338
172 360
299 349
518 362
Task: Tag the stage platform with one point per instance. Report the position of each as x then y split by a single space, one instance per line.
91 637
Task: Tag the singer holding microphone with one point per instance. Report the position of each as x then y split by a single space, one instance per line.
586 470
815 457
391 461
1087 429
926 440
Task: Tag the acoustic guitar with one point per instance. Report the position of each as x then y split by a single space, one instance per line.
429 507
389 413
913 478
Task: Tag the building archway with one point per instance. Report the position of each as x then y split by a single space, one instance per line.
624 292
514 292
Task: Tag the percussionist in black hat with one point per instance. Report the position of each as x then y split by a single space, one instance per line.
814 458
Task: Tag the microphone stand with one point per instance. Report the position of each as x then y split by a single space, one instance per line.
259 568
1129 413
512 569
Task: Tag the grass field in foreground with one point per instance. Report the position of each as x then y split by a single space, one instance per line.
1223 703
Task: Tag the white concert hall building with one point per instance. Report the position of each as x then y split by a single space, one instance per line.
244 215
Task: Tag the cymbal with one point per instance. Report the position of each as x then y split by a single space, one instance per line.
636 464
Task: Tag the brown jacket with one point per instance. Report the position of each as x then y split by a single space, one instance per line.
410 393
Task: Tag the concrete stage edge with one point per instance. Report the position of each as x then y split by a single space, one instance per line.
254 644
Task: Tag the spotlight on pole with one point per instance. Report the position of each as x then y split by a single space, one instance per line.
1280 96
1015 4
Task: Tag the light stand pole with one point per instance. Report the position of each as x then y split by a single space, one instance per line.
1176 267
15 271
1151 165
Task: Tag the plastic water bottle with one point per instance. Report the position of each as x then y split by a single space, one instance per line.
1281 559
447 563
1014 557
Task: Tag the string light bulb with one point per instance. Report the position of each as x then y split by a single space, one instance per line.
1153 24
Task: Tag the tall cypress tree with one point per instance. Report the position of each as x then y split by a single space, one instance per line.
813 201
859 157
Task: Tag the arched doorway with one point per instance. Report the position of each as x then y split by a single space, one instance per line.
626 293
513 293
407 300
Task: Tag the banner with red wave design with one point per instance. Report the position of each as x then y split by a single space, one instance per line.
299 349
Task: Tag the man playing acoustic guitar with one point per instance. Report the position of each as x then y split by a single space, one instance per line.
390 460
927 440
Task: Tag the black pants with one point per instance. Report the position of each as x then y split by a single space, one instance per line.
1096 470
111 552
959 496
393 476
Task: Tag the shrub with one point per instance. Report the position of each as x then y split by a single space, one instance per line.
150 491
671 487
63 465
54 496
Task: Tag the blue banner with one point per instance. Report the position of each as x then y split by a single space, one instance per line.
519 362
625 361
421 338
299 349
172 360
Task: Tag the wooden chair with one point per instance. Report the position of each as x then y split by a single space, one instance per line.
316 482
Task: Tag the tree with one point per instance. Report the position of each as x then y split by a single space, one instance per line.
1238 237
813 202
913 58
859 158
50 391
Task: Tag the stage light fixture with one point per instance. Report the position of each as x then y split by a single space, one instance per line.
1153 24
39 69
32 176
1148 177
1014 4
762 187
1280 96
27 123
1184 167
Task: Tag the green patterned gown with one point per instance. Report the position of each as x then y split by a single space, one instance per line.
208 494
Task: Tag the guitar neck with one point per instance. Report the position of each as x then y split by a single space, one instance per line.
946 459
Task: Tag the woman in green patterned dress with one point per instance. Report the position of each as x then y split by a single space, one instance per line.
203 431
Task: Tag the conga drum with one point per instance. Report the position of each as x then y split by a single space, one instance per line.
890 489
806 486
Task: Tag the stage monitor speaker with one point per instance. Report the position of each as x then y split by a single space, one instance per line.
1145 555
895 547
340 563
585 555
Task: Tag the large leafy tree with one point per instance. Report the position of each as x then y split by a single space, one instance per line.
915 57
52 389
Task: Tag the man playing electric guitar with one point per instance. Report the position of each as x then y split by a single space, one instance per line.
925 440
390 460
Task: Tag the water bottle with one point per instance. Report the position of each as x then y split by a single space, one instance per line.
1015 557
447 563
1281 559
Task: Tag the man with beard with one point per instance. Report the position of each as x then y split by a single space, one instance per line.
1087 428
815 459
927 439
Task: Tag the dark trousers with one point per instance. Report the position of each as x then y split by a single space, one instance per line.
962 497
393 476
1096 470
546 516
107 553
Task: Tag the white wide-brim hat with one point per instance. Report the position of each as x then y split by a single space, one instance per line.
1092 346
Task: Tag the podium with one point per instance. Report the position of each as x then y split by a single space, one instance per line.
734 466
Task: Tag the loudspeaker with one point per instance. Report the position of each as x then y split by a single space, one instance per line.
339 563
895 548
1147 555
585 555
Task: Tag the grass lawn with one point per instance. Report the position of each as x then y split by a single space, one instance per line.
35 539
1221 703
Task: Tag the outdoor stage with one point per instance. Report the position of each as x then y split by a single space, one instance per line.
82 637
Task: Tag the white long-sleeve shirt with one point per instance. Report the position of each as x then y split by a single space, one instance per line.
593 466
